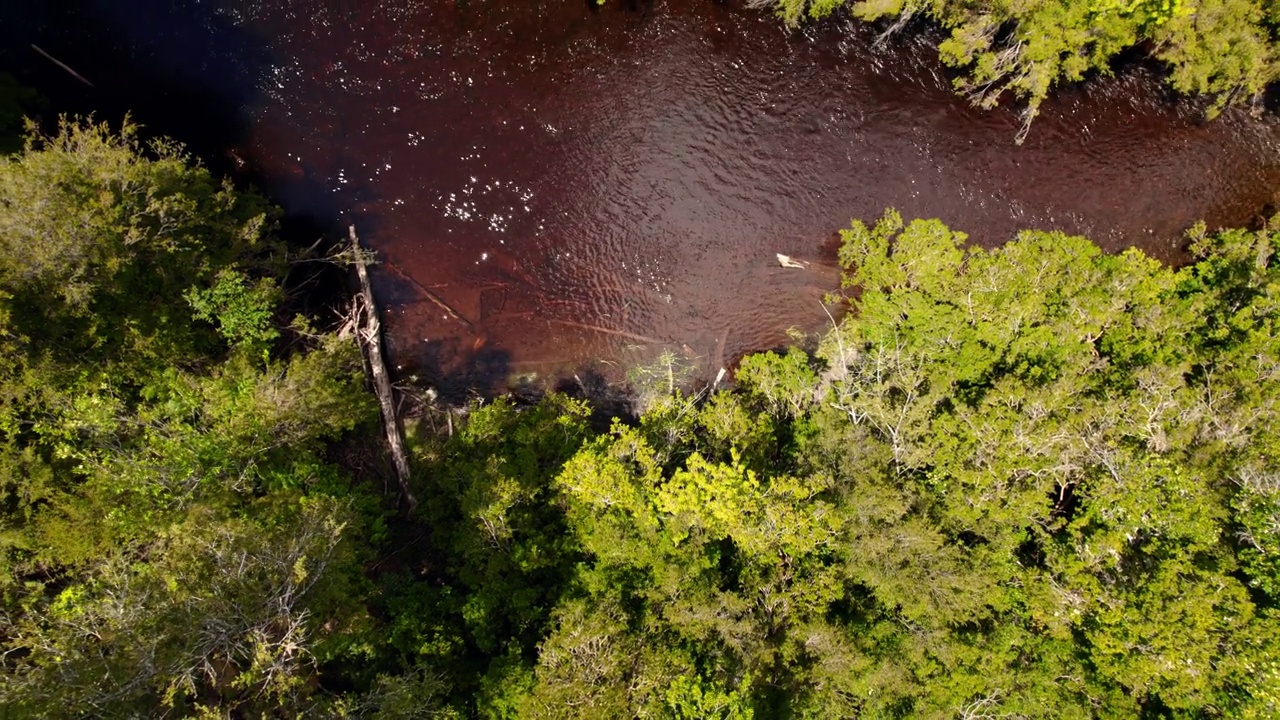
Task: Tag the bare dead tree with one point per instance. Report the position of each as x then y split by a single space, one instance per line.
369 332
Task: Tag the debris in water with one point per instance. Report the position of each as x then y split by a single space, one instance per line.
786 262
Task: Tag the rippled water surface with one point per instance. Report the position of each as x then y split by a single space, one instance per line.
596 186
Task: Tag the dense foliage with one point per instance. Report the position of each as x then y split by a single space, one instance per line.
171 533
1036 481
1221 48
1029 482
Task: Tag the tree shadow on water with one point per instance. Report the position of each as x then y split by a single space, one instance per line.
455 370
608 399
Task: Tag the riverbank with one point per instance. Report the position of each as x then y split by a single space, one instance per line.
996 483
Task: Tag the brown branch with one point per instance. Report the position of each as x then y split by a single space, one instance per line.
61 64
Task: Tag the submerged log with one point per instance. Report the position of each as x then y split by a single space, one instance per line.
606 331
61 64
439 302
369 330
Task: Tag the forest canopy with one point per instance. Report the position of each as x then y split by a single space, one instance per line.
1222 49
1033 481
171 532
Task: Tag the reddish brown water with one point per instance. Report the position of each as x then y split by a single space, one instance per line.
589 186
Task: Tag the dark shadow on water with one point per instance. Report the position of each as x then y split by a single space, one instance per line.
182 69
633 6
1271 98
608 400
178 68
393 289
456 372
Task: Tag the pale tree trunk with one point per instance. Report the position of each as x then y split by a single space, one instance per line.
369 330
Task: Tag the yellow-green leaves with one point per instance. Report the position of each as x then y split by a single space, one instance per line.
1062 427
780 516
1218 48
693 698
102 237
171 521
784 382
1156 12
241 311
215 601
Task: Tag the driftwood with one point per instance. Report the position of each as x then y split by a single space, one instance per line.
61 64
370 333
724 337
606 331
788 262
439 302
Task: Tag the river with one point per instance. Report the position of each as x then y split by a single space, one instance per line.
589 187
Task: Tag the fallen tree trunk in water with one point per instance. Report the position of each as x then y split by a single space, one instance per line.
61 64
369 332
606 331
432 296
